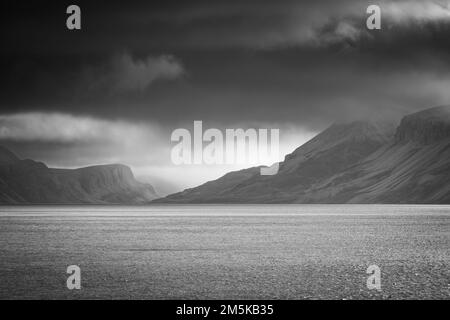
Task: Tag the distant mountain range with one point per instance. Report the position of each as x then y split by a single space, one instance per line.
31 182
359 162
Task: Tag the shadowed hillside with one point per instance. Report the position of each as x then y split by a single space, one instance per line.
359 162
31 182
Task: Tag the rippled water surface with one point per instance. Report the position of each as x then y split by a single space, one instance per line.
225 252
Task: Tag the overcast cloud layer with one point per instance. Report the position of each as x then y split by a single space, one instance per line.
116 89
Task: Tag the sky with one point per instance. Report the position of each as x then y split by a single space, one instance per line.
114 91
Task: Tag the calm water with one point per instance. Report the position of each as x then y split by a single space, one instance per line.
225 252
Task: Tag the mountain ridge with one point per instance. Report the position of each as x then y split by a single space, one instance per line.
31 182
359 162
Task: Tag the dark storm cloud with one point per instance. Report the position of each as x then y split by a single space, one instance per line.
127 74
302 63
273 42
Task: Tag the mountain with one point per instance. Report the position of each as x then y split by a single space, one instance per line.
413 168
7 157
359 162
31 182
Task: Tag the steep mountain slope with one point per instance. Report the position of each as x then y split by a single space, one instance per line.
31 182
330 152
413 168
358 162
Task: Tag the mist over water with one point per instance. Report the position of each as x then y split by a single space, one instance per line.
225 252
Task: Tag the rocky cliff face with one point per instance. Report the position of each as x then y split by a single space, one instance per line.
358 162
31 182
425 127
